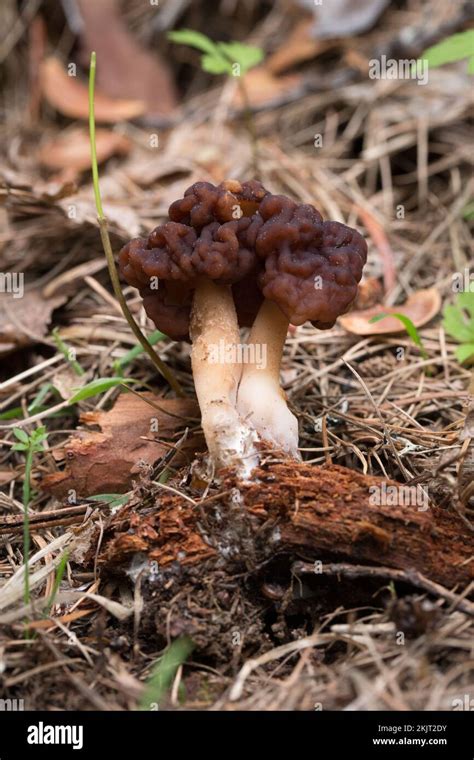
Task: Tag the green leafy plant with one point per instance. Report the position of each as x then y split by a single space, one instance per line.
159 364
219 57
94 388
231 58
165 670
409 327
457 47
30 445
458 321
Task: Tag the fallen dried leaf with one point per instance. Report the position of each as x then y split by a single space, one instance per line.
66 382
299 46
6 476
70 96
71 149
82 209
108 461
24 320
125 69
378 235
264 89
420 308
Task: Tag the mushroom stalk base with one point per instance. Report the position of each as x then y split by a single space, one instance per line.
214 333
260 400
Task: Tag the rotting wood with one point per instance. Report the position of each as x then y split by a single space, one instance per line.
315 512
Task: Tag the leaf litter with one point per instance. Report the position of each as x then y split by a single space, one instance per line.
299 643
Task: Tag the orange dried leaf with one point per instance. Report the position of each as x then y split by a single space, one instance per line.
70 96
299 46
264 89
420 308
108 461
71 150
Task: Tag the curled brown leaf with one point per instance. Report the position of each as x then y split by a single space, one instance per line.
69 95
420 308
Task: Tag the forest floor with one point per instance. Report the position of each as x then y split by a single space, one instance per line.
393 159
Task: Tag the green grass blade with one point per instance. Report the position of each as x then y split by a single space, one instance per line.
100 385
165 671
409 327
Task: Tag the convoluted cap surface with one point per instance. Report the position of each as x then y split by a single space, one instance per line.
204 203
311 268
212 234
262 245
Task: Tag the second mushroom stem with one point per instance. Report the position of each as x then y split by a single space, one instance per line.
260 398
213 329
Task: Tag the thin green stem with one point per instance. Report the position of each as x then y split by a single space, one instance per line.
65 350
159 364
250 124
95 168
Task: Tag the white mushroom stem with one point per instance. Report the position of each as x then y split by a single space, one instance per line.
260 398
214 333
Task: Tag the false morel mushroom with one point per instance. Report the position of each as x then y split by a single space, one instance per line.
185 270
231 256
310 272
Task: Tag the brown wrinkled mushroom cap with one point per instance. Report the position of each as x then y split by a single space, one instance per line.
212 234
204 203
311 268
263 245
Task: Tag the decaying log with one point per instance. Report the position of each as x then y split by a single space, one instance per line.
301 510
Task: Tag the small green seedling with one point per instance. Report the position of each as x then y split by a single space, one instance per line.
231 58
458 321
409 327
31 445
35 406
468 211
455 48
